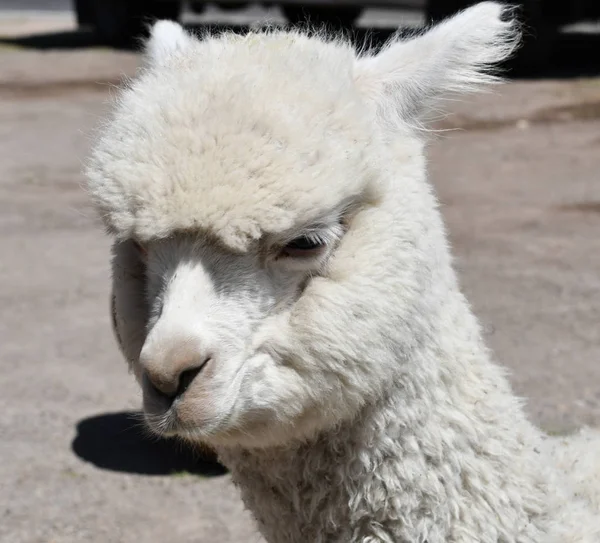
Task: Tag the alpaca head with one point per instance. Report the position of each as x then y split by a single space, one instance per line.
275 240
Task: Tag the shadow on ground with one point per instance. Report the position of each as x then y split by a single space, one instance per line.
118 442
573 54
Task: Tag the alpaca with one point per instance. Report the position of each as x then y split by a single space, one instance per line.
284 293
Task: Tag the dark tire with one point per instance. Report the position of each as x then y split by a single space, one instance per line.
539 38
83 13
122 22
341 17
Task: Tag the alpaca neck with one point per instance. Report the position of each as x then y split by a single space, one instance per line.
425 463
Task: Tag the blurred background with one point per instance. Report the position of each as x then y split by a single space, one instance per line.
116 21
554 29
517 171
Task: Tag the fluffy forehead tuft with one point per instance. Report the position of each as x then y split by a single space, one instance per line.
236 136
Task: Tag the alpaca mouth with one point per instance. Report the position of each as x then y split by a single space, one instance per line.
160 410
166 424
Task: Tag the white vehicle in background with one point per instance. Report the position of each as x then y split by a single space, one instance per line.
119 22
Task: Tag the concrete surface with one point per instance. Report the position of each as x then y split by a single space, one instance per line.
520 188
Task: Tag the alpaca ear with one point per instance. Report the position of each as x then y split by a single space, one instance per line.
166 38
408 76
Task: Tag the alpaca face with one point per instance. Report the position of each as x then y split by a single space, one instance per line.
287 240
207 367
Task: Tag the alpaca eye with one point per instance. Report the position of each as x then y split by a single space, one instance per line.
304 246
304 243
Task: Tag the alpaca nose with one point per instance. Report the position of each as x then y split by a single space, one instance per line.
171 366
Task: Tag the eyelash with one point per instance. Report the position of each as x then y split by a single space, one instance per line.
319 240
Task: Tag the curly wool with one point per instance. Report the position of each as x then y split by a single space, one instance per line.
399 427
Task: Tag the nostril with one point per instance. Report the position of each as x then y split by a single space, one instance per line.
167 387
186 378
160 395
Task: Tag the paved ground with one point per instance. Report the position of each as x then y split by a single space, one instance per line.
521 194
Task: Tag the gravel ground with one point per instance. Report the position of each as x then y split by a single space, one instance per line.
521 195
